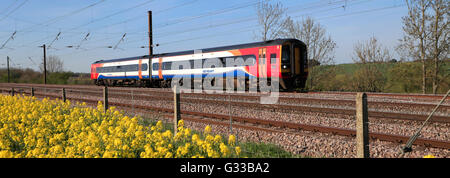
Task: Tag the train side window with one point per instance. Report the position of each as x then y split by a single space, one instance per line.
250 60
155 66
192 64
167 66
144 66
273 58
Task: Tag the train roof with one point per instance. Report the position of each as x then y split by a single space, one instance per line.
207 50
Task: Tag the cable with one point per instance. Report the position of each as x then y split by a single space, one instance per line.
105 17
59 18
10 38
56 38
114 14
364 11
11 5
14 10
186 19
138 17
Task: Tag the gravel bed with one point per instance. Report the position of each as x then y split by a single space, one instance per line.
311 144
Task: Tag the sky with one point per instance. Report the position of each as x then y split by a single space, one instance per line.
81 32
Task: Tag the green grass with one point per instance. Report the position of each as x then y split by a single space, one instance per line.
399 77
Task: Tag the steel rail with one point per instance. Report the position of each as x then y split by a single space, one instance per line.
268 123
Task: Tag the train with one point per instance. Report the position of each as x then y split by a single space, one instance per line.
285 59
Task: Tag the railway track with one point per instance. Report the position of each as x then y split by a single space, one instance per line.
257 124
427 96
250 101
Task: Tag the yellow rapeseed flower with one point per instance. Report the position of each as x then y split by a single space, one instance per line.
207 129
52 128
232 140
429 156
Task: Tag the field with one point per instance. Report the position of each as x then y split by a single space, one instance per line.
33 128
400 77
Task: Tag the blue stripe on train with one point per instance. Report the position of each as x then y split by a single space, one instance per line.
235 73
123 77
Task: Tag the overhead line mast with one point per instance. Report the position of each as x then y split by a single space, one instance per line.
150 43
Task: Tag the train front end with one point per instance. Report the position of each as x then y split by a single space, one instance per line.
294 64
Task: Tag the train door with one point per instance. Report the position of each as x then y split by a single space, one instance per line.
272 68
297 61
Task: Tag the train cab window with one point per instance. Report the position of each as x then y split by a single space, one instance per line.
286 53
273 58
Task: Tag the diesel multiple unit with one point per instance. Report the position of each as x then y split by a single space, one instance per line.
285 59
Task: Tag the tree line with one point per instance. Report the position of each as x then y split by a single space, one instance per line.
55 74
425 41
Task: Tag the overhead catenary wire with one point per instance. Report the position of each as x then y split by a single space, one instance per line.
5 10
125 43
10 38
165 43
100 19
14 10
135 18
229 23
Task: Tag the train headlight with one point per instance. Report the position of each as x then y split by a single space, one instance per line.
284 66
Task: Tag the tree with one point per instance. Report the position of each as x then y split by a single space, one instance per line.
320 45
271 18
439 38
369 76
416 33
370 52
54 64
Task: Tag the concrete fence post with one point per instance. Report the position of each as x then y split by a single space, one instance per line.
362 126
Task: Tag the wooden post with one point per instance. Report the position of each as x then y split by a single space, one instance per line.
32 91
63 94
176 109
12 91
105 98
362 126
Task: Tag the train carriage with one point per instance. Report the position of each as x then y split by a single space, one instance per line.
282 58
